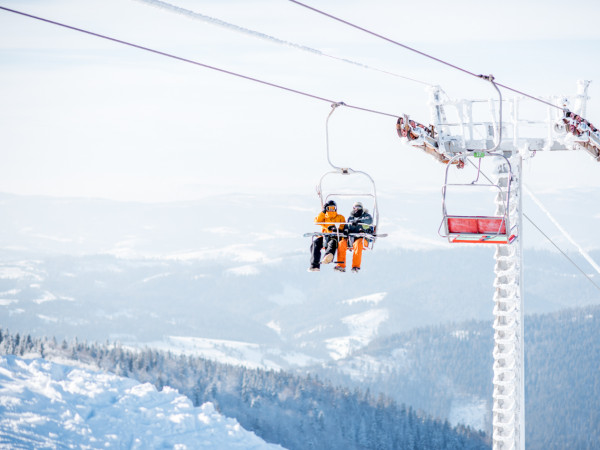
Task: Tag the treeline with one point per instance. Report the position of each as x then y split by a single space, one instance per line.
562 379
433 369
438 368
293 411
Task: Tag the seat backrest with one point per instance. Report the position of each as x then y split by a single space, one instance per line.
476 225
491 225
458 225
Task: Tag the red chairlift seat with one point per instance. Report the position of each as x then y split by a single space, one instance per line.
478 230
473 229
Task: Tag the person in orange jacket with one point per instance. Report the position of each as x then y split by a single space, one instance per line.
329 220
359 221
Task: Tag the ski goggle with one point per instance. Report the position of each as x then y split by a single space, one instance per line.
330 208
357 206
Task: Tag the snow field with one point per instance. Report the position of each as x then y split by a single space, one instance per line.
362 327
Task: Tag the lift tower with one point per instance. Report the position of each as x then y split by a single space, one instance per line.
460 139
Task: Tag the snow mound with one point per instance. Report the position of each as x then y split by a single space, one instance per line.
363 328
48 405
373 298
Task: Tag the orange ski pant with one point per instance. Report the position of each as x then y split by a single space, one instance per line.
357 248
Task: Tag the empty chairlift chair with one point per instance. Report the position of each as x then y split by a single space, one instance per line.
478 229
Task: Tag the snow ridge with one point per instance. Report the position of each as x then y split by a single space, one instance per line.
48 405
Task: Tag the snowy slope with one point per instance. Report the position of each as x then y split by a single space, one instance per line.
48 405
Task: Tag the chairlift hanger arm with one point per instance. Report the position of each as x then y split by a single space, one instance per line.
344 171
333 108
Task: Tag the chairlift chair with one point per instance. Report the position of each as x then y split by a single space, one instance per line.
355 195
371 195
477 229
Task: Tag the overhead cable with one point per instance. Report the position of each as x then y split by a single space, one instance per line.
586 256
563 253
583 253
257 34
190 61
421 53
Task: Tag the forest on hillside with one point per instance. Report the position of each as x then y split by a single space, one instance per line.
434 368
297 412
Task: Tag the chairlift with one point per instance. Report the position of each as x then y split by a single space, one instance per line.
477 229
366 195
369 197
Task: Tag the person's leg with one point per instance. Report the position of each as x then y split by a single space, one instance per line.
341 254
357 248
331 247
315 252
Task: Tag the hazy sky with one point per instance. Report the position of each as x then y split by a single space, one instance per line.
87 117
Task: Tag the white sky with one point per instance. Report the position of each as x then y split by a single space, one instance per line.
87 117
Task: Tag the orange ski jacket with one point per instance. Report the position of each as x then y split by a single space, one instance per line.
330 217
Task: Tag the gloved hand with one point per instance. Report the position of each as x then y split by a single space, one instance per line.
331 228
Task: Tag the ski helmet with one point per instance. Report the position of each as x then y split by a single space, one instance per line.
357 208
330 206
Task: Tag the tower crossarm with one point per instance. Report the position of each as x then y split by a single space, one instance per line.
560 129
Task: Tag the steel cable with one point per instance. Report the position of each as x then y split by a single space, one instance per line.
441 61
257 34
197 63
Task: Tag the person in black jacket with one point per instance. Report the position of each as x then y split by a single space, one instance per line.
359 222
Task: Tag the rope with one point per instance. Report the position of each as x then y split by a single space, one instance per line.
562 230
441 61
257 34
295 91
190 61
382 37
563 253
544 234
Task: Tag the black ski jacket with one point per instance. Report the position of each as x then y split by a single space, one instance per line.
361 223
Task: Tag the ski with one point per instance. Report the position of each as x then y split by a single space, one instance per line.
362 235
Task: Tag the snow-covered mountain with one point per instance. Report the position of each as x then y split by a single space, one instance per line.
282 317
253 228
50 405
226 277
